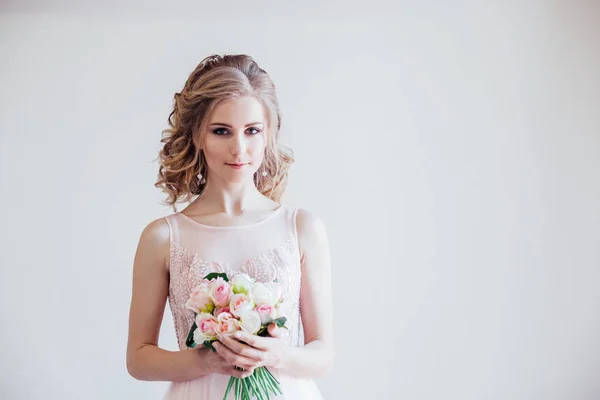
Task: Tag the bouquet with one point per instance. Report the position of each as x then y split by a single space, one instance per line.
224 307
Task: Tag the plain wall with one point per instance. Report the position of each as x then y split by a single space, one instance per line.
452 151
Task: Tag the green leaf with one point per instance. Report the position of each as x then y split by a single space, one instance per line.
189 342
208 343
280 322
215 275
263 331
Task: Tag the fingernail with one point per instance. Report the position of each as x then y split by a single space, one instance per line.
238 335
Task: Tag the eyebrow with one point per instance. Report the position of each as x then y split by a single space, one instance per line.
229 126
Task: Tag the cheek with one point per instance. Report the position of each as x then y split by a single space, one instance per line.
257 147
213 150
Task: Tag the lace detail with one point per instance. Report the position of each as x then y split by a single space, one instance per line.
279 264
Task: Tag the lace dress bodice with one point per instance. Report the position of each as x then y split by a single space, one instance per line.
266 251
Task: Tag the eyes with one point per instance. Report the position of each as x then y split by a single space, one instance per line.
224 131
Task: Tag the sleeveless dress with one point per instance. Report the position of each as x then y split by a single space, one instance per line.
267 250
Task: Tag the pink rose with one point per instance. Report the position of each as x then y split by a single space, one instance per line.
219 291
200 300
267 313
206 325
227 324
240 303
222 309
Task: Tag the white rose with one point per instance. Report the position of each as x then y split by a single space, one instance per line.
241 283
264 294
250 322
278 292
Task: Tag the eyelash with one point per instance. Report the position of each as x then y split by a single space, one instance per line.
216 131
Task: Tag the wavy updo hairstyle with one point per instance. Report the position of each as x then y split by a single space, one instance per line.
216 79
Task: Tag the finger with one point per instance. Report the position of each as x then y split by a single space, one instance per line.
248 370
275 331
233 358
258 342
242 348
231 370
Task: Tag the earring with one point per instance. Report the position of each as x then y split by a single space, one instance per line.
201 179
264 173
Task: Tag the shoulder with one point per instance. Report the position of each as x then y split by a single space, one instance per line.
155 237
157 230
311 228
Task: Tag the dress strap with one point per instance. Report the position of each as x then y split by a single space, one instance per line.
293 214
173 235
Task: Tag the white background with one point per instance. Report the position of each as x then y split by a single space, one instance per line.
452 151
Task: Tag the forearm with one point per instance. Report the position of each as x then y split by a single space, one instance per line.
313 360
151 363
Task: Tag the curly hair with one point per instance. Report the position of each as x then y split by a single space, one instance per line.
215 79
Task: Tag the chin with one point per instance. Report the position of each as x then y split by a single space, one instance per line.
238 178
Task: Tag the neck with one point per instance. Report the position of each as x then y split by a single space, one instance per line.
229 198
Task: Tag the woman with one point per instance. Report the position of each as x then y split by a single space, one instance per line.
222 147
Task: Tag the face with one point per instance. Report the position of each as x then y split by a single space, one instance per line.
235 139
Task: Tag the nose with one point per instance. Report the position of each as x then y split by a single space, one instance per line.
239 144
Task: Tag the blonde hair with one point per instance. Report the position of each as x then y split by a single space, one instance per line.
215 79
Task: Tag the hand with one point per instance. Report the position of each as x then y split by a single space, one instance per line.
212 362
251 351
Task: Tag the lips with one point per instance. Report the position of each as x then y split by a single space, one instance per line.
236 166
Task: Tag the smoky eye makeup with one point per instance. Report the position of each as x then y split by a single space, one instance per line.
223 131
220 131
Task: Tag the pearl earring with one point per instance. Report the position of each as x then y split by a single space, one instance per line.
264 173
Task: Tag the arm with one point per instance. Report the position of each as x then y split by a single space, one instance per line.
145 360
315 359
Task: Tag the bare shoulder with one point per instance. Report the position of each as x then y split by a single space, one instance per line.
311 229
157 231
154 240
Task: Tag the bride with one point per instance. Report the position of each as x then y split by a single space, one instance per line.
221 154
